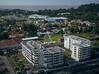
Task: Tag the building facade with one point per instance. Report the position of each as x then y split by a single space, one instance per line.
80 47
30 52
42 55
53 57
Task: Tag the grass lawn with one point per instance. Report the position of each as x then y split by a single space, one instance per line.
95 44
92 37
55 38
86 35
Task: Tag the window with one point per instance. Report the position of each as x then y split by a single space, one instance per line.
74 51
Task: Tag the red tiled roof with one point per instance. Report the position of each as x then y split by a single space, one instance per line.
18 40
7 43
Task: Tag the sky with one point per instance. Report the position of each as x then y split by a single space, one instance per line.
46 2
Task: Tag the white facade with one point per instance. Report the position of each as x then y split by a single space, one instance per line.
78 46
80 52
67 42
42 56
36 16
29 54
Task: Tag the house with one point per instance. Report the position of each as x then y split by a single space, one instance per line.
87 23
9 44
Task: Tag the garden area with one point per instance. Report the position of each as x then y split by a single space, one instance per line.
94 38
87 35
49 38
19 63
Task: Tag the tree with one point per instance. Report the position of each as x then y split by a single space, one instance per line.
4 35
41 72
61 32
31 29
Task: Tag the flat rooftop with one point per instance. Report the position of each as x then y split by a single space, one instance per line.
29 38
80 45
46 48
55 49
77 38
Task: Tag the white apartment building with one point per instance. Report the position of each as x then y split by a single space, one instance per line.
80 47
30 52
42 55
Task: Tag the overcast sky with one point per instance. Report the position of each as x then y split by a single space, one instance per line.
46 2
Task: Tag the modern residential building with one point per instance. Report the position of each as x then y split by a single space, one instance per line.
52 57
43 55
80 47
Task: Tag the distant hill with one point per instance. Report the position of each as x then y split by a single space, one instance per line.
89 8
39 7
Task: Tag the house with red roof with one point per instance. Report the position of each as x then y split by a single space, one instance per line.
9 44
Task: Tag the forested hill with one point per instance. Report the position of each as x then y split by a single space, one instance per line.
83 8
85 12
89 8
